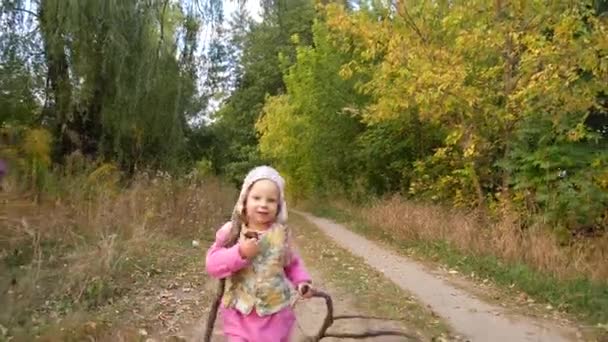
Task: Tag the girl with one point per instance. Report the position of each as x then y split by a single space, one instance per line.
254 254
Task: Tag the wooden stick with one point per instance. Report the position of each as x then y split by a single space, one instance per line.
363 317
213 311
329 320
371 333
233 238
329 317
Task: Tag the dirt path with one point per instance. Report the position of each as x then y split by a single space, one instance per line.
467 315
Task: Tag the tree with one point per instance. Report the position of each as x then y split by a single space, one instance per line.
261 75
20 79
121 77
309 132
483 72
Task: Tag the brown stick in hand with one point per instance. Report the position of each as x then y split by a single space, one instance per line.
329 320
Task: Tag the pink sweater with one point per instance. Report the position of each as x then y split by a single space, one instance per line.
222 262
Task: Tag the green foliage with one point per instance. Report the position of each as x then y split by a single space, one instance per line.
17 102
36 150
557 172
121 77
202 171
259 74
28 152
467 103
389 149
308 134
141 121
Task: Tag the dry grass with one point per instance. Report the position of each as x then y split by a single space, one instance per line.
535 247
84 245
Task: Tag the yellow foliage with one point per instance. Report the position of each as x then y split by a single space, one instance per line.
37 146
278 128
470 150
346 72
295 39
578 133
107 174
9 152
603 180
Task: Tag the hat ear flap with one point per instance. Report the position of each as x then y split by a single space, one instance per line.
239 210
282 213
241 204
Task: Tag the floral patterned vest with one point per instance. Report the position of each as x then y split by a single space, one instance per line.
262 284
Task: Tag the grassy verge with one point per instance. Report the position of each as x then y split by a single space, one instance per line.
580 297
350 275
127 315
90 260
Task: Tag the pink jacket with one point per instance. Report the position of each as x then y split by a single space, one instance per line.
222 262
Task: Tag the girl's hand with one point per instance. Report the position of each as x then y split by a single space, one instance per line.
305 290
249 248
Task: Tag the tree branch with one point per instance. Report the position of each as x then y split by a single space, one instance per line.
161 20
371 333
24 11
402 10
363 317
330 318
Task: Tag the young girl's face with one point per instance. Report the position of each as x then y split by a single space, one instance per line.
262 203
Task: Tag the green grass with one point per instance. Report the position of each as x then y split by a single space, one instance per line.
586 300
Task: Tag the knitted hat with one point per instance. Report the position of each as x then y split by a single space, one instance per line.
259 173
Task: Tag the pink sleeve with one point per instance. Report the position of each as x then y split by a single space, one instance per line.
296 271
222 262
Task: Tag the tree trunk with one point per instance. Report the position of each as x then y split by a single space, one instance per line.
58 79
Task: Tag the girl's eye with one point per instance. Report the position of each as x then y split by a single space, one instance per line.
256 197
271 200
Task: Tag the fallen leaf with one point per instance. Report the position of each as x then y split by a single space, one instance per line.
522 297
90 327
166 294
